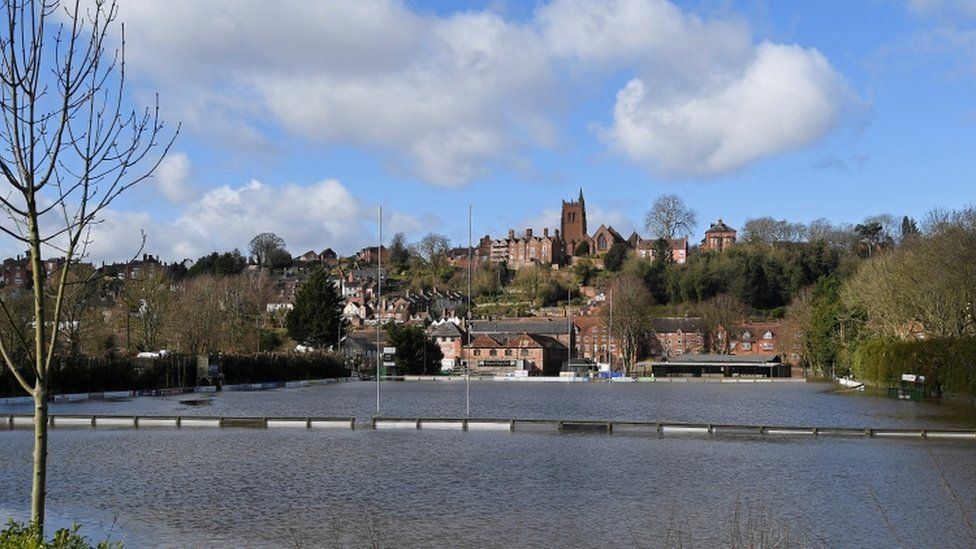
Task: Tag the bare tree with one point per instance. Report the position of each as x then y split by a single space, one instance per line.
433 247
766 230
147 304
669 217
68 148
631 322
721 315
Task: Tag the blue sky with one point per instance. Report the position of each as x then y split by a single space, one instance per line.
303 120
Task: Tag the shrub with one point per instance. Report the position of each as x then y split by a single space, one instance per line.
18 536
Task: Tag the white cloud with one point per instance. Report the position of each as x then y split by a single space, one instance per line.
172 178
653 36
447 97
451 98
785 98
307 217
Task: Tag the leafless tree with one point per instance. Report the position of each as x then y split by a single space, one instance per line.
433 246
766 230
669 217
721 315
631 322
68 147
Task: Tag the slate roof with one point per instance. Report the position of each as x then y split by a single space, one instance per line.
535 341
541 327
719 227
447 329
670 325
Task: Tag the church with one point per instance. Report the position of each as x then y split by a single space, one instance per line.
573 241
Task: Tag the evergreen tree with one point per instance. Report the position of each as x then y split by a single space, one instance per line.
399 253
662 251
416 354
615 256
317 319
823 334
908 228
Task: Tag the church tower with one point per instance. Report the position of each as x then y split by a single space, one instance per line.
573 224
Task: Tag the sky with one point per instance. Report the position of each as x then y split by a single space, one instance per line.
303 118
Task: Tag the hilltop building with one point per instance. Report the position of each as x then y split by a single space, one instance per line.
718 237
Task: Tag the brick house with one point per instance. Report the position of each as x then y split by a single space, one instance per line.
309 257
450 339
528 249
718 237
559 329
537 354
755 338
646 248
370 254
329 257
676 336
594 341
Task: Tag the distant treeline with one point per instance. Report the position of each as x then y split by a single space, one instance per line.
100 374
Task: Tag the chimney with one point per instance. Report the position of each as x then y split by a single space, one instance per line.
545 232
511 236
528 233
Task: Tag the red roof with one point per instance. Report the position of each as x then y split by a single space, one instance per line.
485 341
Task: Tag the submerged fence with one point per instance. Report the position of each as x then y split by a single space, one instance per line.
66 421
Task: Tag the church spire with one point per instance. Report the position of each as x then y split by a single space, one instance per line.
581 195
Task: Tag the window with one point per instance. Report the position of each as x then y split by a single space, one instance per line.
601 243
508 352
493 352
524 352
477 352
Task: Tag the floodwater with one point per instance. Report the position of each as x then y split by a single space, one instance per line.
354 488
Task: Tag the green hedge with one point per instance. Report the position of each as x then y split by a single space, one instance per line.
92 375
948 362
262 368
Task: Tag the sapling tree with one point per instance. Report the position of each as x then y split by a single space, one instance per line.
69 146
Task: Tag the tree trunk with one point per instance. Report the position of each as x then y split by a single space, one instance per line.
39 487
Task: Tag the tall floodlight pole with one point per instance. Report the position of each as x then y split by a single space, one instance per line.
610 339
379 307
467 377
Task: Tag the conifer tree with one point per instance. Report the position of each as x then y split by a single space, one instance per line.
317 319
